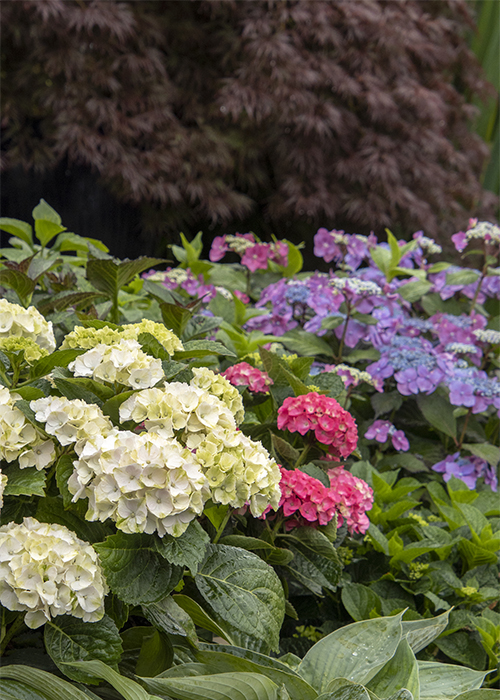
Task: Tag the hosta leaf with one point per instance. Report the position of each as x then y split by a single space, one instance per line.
134 570
342 689
244 592
440 681
400 672
68 639
356 652
125 686
51 686
420 633
481 694
14 690
220 686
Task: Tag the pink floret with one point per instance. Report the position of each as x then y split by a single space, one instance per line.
244 374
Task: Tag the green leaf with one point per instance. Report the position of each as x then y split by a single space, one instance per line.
462 278
304 343
134 570
52 510
62 301
317 473
401 672
17 228
295 261
475 555
128 688
175 318
329 382
14 690
360 601
490 453
73 389
413 291
220 686
187 550
153 649
116 609
462 647
45 211
20 283
244 592
331 322
109 276
440 681
382 258
68 639
24 482
200 617
342 689
201 348
284 448
439 412
59 358
46 230
420 633
481 694
438 267
64 469
169 617
356 652
51 686
216 514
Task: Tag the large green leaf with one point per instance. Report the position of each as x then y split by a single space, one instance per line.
109 275
360 601
169 617
398 673
17 228
356 652
59 358
201 348
342 689
304 343
125 686
52 687
20 283
439 412
314 557
69 639
188 549
490 453
149 649
220 686
481 694
14 690
134 570
244 592
200 617
440 681
24 482
420 633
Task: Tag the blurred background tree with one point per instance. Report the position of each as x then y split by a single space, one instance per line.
139 119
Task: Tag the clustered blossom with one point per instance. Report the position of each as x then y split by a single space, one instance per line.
219 386
332 425
87 338
144 483
487 336
239 471
482 230
123 362
20 439
16 344
178 277
467 469
349 250
26 323
3 484
47 571
472 387
381 430
70 421
254 254
178 409
352 376
243 374
311 503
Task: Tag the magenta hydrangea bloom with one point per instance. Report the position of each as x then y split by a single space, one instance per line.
332 424
256 257
243 374
354 498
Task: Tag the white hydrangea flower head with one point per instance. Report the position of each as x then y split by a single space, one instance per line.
240 471
26 323
123 362
87 338
357 376
3 484
16 432
70 421
429 245
46 570
178 409
357 286
144 483
238 244
41 455
15 343
487 335
220 387
484 230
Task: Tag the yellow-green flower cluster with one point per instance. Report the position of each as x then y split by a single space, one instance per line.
418 518
32 351
239 470
47 571
19 438
26 323
88 338
123 363
220 387
3 484
417 570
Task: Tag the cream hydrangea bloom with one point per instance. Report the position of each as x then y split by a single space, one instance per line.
3 484
32 351
47 571
178 409
144 483
220 387
123 362
26 323
16 432
88 338
70 420
240 470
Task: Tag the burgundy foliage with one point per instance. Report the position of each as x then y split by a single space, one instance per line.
346 113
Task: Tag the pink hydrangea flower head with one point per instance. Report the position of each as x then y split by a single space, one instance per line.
354 498
459 240
219 248
242 296
280 253
256 257
243 374
332 425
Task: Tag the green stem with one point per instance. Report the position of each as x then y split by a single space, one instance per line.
344 332
222 527
302 456
483 275
11 632
462 436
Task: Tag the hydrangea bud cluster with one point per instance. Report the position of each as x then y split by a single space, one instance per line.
16 344
239 471
467 469
482 230
178 409
352 376
254 254
19 438
144 483
47 571
219 386
306 501
123 363
332 425
381 430
70 421
3 484
26 323
178 277
87 338
487 336
243 374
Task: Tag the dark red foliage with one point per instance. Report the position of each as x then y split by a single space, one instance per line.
346 113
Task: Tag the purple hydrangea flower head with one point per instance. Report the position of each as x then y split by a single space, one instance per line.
467 469
381 430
